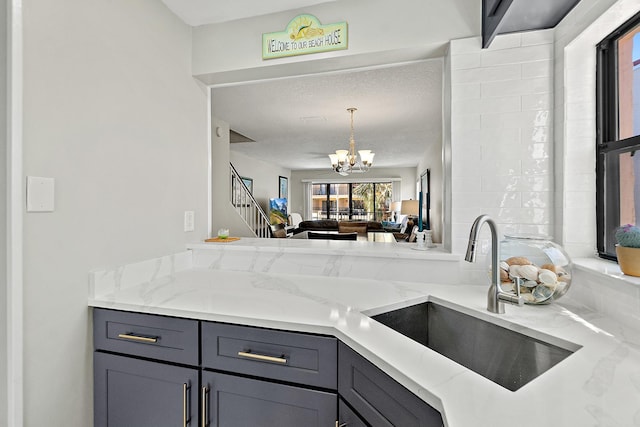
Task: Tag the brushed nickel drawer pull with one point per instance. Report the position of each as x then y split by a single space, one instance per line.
248 354
204 406
184 404
130 336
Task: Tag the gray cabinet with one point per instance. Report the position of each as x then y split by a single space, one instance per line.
347 417
130 392
377 397
234 401
157 371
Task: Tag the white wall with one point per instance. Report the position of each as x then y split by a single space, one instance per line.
407 176
112 113
380 32
575 81
501 133
265 177
3 216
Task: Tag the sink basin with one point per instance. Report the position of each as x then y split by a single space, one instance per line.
504 356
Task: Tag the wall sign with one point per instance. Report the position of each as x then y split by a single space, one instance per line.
305 35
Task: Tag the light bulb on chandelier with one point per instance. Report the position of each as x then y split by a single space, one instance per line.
345 162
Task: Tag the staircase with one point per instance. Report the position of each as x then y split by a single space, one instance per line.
247 207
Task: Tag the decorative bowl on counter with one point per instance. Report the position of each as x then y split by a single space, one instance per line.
540 267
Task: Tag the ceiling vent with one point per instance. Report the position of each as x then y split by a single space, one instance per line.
235 137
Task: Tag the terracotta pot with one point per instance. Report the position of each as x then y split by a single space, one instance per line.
629 260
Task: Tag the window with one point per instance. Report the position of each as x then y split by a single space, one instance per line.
618 134
368 201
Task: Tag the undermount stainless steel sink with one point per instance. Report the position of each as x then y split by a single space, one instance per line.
506 357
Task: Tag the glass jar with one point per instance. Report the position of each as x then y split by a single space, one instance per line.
540 267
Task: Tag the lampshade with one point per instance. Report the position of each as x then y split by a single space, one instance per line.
409 207
396 206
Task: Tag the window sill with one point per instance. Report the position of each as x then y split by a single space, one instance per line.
608 269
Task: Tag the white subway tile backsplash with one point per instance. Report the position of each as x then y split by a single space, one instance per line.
503 105
488 74
536 167
505 41
467 122
516 55
460 184
537 199
530 38
462 92
465 61
468 45
537 69
537 101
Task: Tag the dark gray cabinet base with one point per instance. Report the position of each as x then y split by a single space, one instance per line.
234 401
139 393
159 371
377 397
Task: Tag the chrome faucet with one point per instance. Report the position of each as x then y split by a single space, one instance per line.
496 297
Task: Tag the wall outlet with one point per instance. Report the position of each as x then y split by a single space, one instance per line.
189 221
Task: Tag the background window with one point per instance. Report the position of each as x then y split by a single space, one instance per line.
368 201
618 144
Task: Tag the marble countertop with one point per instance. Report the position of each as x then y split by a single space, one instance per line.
599 385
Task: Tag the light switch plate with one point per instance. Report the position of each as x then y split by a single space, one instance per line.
40 194
189 221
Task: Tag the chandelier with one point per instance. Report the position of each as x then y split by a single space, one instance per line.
345 162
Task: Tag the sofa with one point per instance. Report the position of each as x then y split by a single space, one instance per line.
339 226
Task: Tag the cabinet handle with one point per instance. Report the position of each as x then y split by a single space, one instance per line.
248 354
204 406
132 337
184 405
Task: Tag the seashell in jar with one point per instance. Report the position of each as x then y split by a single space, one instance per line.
547 277
541 293
565 278
525 290
527 297
504 276
518 260
514 270
530 284
529 272
504 266
550 267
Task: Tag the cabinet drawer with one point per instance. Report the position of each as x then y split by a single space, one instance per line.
146 335
287 356
380 400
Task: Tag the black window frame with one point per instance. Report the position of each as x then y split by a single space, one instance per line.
351 213
608 141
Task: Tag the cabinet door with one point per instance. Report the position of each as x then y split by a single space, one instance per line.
233 401
137 393
347 417
377 397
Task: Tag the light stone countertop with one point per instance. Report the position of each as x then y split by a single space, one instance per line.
599 385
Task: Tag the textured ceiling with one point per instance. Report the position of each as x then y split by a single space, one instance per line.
296 122
201 12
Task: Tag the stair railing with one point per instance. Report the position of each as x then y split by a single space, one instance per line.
247 207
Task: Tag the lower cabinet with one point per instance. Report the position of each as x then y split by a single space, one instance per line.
377 397
233 401
348 418
139 393
158 371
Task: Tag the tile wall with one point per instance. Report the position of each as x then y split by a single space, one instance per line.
501 136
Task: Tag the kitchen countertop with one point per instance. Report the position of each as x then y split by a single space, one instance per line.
599 385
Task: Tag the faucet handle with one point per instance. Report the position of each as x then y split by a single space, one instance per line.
511 298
